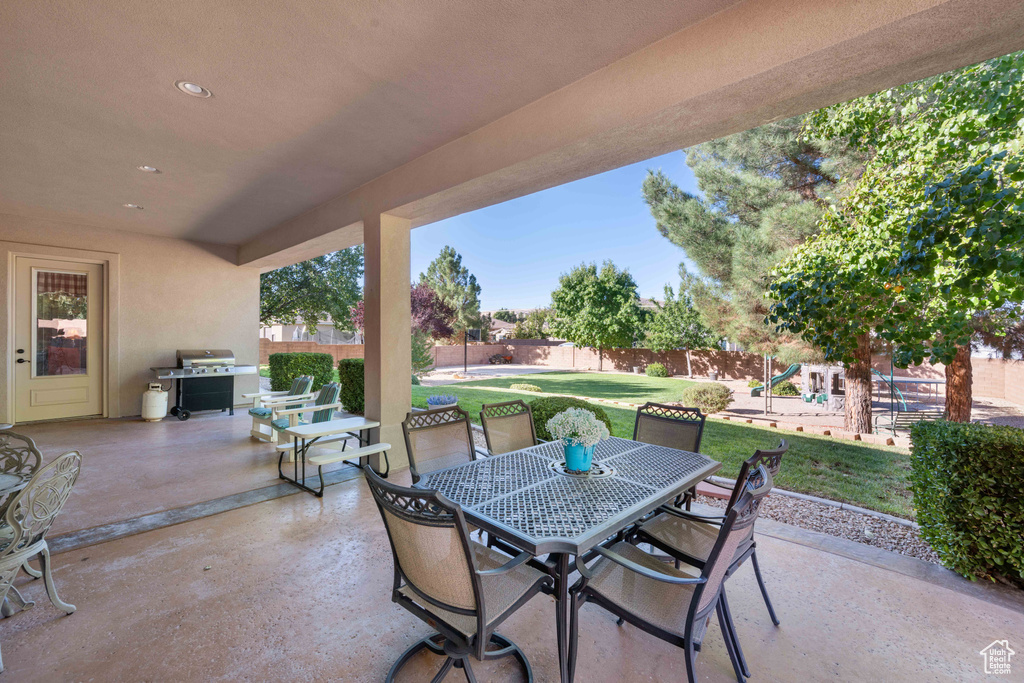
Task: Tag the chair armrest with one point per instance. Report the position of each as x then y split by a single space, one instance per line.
633 566
307 409
686 514
508 566
261 394
295 398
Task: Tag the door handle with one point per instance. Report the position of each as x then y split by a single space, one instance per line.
21 350
22 360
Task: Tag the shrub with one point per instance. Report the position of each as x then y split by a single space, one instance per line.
656 370
968 485
525 387
438 400
284 367
546 408
353 390
785 388
415 381
754 383
710 398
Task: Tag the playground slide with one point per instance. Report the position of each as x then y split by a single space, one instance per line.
793 369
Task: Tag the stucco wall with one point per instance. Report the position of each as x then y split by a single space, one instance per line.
169 294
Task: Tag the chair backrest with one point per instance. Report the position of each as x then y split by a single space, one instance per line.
771 460
669 426
436 439
431 547
508 426
327 396
302 384
32 511
18 454
736 528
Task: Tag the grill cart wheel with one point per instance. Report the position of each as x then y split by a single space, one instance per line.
174 410
184 415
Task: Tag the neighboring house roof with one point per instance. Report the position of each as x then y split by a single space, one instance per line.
501 325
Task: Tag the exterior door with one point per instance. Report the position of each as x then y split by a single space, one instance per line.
58 339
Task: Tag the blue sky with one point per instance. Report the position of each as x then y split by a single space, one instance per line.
518 249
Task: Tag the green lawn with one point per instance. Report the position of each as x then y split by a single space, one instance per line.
629 388
874 477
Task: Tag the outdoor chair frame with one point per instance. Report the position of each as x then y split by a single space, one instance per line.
431 601
28 517
706 589
453 420
267 404
652 418
517 417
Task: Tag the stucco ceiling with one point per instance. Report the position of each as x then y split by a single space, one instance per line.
310 98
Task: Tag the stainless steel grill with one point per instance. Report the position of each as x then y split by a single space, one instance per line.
204 380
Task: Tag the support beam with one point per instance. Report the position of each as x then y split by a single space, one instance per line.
387 322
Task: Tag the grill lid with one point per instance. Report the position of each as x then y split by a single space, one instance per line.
188 358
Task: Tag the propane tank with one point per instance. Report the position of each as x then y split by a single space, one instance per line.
154 403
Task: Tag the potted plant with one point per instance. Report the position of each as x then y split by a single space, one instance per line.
580 432
435 401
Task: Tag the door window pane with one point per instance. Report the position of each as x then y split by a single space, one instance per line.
62 304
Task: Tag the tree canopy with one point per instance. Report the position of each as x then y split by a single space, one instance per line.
598 308
456 286
764 190
432 318
531 325
312 290
926 248
676 324
506 316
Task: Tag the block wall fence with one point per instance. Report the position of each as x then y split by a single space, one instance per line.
993 377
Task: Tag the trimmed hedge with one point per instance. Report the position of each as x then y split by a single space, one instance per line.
353 388
968 485
525 387
656 370
708 396
546 408
284 367
754 383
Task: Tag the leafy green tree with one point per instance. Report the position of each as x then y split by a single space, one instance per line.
763 193
506 316
312 290
456 286
917 253
596 308
422 352
676 324
531 325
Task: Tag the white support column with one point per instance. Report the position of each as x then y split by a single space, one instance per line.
387 325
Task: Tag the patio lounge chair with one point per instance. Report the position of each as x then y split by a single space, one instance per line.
508 426
690 537
669 603
322 409
264 404
436 439
23 531
461 588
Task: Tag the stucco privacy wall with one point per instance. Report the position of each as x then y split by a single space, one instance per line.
170 294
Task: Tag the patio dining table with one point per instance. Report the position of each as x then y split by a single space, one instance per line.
527 500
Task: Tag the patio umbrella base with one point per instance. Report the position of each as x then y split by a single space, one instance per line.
458 657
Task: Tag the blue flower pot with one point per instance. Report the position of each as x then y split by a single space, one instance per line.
578 458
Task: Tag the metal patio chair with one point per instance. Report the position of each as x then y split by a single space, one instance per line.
23 532
436 439
265 405
508 426
668 603
689 537
459 587
669 426
19 460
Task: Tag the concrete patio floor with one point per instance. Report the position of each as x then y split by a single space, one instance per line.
298 588
132 468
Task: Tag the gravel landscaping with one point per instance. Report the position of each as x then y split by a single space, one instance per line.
847 524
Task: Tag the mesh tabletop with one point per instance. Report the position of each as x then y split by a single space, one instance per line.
522 497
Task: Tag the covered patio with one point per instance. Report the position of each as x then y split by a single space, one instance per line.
165 157
295 588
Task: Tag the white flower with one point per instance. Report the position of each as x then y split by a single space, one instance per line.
579 426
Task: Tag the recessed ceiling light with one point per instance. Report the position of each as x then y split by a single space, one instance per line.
148 169
133 206
193 89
